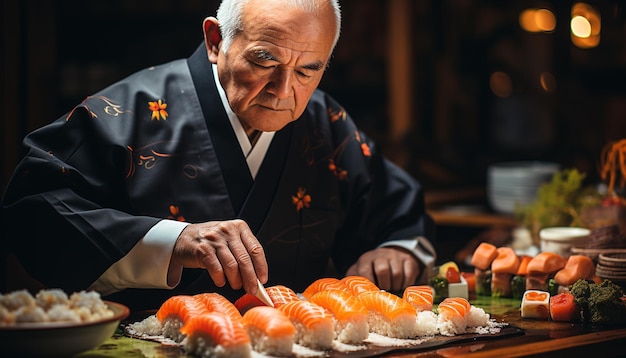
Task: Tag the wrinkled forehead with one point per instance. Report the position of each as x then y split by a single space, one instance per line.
284 24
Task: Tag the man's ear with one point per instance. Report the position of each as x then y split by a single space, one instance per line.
212 37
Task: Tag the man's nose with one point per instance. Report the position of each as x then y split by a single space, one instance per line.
281 83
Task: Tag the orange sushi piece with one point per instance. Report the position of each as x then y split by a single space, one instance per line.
216 302
454 314
420 297
216 334
314 325
175 312
351 314
454 307
182 306
389 314
321 284
270 331
358 284
280 295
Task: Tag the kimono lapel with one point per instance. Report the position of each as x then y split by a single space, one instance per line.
232 163
263 192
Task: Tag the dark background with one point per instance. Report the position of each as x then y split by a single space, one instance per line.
54 53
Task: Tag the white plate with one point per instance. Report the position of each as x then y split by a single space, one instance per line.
62 339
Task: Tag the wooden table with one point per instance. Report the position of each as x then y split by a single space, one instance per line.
537 338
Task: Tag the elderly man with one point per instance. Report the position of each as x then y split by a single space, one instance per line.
208 173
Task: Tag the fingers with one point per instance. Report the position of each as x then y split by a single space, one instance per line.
391 269
228 250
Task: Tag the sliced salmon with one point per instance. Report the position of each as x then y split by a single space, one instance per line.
506 261
452 307
483 255
181 306
577 267
419 296
216 302
323 283
358 284
223 330
269 320
546 263
314 325
387 304
280 295
351 315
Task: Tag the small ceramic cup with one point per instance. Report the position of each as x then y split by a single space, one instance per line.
560 240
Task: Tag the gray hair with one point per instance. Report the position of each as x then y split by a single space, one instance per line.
230 12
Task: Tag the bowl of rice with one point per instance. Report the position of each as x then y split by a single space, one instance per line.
53 324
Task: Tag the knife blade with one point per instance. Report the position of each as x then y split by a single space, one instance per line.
262 294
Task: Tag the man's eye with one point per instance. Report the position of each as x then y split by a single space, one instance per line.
303 74
264 66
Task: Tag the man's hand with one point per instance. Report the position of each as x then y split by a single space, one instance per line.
226 249
391 268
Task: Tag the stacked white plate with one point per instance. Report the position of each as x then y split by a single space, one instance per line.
510 184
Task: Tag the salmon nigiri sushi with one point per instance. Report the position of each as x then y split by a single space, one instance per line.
270 331
419 296
350 314
215 334
280 295
314 325
358 284
453 315
175 312
324 283
216 302
389 315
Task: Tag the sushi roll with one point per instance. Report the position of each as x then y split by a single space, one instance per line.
541 268
350 314
322 284
175 312
358 284
419 296
535 304
215 334
314 325
389 315
270 331
503 267
453 316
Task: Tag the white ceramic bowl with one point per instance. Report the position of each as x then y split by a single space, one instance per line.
59 339
560 240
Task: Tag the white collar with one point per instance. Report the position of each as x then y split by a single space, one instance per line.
254 155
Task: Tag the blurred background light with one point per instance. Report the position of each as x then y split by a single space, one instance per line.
501 84
537 20
585 26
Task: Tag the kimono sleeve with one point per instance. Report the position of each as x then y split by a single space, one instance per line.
67 202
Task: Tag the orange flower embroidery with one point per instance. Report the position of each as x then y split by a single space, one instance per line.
158 110
366 150
339 173
174 211
335 116
301 200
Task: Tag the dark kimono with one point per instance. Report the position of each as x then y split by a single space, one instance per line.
159 145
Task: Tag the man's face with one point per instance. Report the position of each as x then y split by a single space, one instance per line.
272 67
